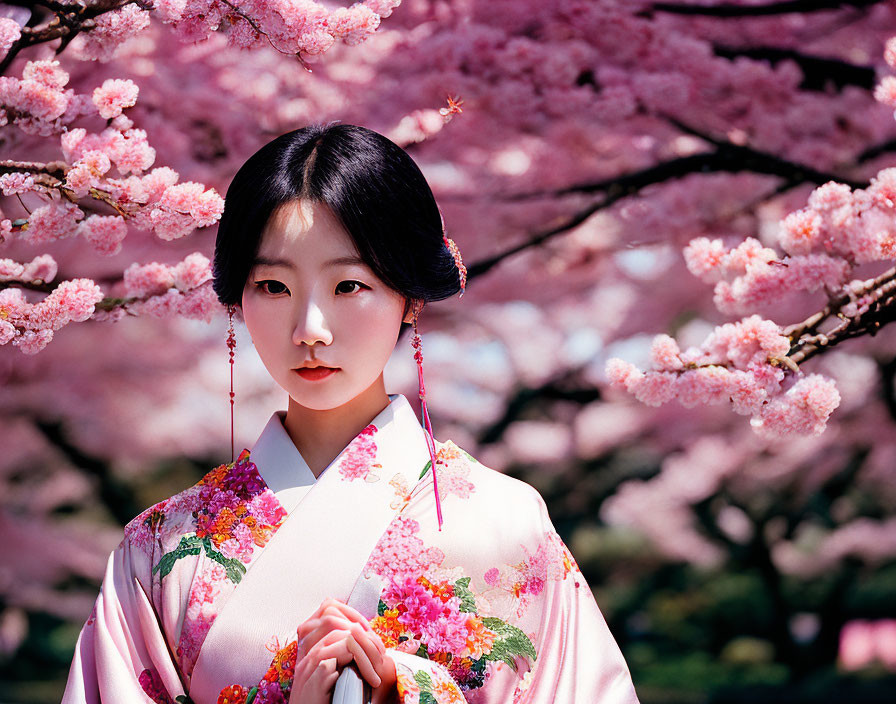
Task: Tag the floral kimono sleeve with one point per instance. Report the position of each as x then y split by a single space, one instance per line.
578 660
495 610
121 655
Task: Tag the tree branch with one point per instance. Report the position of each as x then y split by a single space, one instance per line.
817 70
727 157
116 496
69 19
880 311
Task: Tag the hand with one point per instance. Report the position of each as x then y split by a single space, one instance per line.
333 636
387 692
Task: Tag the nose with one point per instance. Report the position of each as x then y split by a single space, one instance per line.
311 326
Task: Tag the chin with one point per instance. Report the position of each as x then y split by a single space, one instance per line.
320 399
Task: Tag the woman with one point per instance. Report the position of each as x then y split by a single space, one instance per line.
326 543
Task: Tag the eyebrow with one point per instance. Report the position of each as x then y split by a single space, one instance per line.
276 261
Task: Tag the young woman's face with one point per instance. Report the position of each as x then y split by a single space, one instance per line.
300 305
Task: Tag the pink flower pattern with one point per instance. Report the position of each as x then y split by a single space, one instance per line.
358 459
230 512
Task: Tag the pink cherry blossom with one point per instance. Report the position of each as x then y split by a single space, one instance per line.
110 32
803 409
147 279
104 232
16 182
10 31
52 222
114 95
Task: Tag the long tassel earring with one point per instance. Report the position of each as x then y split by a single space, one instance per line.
430 442
231 344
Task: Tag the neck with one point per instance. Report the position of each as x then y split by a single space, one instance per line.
321 435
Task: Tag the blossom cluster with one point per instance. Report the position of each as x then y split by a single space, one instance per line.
308 27
165 291
30 327
738 363
37 104
743 362
183 289
751 275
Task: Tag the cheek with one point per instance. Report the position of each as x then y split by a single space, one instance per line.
377 321
258 320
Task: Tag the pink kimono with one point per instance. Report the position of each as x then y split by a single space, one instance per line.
201 600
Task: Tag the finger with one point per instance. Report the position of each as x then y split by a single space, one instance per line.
365 643
346 649
311 681
318 613
371 643
312 630
323 679
350 613
339 615
364 662
338 608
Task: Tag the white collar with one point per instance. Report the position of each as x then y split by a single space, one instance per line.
281 465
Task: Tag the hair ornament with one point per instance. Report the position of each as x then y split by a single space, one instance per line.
455 252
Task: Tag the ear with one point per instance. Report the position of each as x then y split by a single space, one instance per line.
409 309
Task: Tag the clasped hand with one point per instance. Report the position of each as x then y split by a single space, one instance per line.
333 636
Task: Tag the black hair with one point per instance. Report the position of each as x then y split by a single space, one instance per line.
372 186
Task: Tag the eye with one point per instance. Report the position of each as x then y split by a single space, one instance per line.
351 282
261 284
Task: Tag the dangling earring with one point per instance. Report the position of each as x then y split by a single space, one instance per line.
231 344
430 440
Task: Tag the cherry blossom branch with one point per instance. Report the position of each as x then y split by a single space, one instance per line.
745 362
105 25
817 70
810 325
67 22
51 176
877 310
151 289
239 13
728 157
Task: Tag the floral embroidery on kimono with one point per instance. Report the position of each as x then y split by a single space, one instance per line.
438 619
152 685
358 460
228 516
274 687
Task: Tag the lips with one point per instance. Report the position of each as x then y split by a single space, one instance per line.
315 373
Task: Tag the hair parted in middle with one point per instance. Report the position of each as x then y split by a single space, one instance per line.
372 186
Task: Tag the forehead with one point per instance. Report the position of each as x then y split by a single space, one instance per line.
302 230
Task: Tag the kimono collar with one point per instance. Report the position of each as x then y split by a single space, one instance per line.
281 465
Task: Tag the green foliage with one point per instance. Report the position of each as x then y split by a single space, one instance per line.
511 641
189 545
462 591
